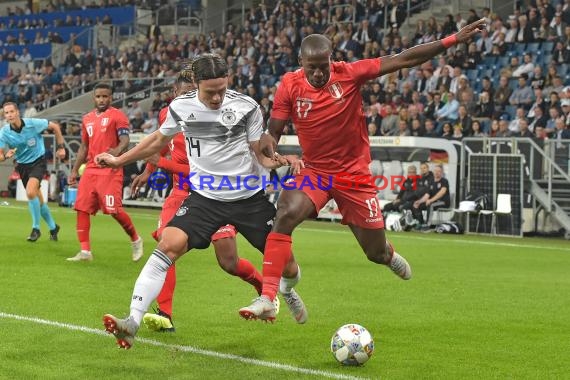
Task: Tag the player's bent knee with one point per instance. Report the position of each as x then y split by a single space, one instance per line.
173 242
228 264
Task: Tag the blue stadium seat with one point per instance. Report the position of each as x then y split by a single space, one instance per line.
513 83
472 75
511 110
547 47
562 69
504 61
490 61
532 47
546 58
520 48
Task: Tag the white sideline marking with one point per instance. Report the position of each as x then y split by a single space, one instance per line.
461 241
190 349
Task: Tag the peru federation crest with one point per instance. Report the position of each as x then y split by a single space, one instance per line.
336 90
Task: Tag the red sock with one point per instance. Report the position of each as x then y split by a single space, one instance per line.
247 272
164 299
83 227
125 221
276 256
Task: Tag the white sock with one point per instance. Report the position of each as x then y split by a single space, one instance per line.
149 284
286 284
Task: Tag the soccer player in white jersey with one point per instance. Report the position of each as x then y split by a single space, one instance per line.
222 130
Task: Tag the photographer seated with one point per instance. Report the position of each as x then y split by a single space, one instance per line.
407 194
438 196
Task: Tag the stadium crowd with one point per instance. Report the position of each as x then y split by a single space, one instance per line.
512 81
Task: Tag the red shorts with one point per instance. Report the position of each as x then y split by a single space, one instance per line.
172 204
169 208
99 192
358 205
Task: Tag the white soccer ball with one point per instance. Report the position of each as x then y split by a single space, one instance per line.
352 344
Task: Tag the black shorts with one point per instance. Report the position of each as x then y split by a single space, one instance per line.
200 217
36 169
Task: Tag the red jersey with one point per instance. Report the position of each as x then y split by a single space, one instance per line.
101 131
330 122
178 163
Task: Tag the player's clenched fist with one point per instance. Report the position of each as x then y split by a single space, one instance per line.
107 160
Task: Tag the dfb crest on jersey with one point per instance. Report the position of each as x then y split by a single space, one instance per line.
182 211
336 90
228 117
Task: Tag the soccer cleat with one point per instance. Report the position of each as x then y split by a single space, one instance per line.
159 321
137 247
261 308
296 306
34 235
400 267
276 304
81 256
53 233
123 329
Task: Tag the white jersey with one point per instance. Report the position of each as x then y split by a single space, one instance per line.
223 166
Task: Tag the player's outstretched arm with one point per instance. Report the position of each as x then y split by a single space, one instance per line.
268 141
422 53
150 145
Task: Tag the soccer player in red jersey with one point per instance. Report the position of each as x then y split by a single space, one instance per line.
105 129
323 101
223 240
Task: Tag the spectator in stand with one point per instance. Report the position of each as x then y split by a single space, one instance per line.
449 112
514 125
556 28
561 132
561 54
417 129
503 128
538 119
449 26
389 122
457 133
523 129
447 131
494 128
485 109
460 22
554 114
433 106
473 57
507 71
430 129
477 130
513 30
455 81
484 44
556 87
374 118
526 68
403 129
524 33
137 122
464 121
522 95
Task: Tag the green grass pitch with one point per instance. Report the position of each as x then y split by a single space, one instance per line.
476 308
